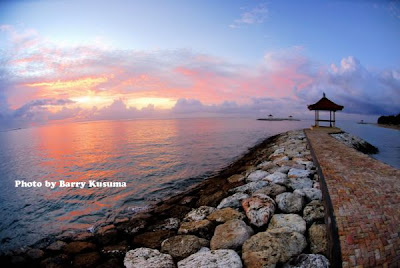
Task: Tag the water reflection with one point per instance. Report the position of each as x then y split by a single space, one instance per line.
156 158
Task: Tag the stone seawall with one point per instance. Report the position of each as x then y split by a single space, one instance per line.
264 210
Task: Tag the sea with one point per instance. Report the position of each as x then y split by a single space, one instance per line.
154 158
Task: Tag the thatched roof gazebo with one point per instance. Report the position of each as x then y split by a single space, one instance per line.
325 104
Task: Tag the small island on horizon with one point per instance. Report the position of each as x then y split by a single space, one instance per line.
272 118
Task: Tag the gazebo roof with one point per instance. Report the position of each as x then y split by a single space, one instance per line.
326 105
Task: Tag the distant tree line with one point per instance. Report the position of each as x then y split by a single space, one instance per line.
391 119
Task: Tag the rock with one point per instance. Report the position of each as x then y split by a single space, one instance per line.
266 165
225 214
300 183
271 190
308 261
249 188
111 263
292 222
236 178
57 246
310 193
59 261
107 235
147 258
266 249
35 253
167 224
201 228
257 175
314 211
283 169
133 226
318 239
231 235
290 202
79 247
115 250
233 201
259 209
152 239
279 161
86 260
182 246
298 173
277 178
188 200
178 211
212 259
200 213
210 199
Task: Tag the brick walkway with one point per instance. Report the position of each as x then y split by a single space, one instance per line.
365 195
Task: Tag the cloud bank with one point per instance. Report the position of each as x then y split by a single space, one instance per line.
41 81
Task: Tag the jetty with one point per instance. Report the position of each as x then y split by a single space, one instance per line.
363 200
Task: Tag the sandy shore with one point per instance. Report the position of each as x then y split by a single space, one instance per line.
397 127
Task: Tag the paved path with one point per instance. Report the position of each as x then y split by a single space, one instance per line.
365 195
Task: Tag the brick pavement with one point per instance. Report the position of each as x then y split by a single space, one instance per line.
365 195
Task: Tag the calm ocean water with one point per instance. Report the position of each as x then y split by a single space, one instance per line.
156 158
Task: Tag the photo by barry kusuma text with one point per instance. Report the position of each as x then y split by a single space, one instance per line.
70 184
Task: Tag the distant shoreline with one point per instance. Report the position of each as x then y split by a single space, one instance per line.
278 119
397 127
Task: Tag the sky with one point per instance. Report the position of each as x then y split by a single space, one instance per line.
64 61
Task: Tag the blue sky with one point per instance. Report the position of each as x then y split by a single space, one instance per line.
218 53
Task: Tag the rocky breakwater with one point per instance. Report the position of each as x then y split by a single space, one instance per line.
273 217
265 210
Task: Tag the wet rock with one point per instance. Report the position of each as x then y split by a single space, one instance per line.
225 214
271 190
212 259
115 250
259 209
35 253
231 235
178 211
236 178
298 173
277 178
152 239
314 211
182 246
86 260
211 199
318 239
148 258
59 261
188 200
200 213
300 183
249 188
290 202
233 201
257 175
167 224
56 246
111 263
308 261
292 222
201 228
310 193
133 226
266 249
79 247
107 235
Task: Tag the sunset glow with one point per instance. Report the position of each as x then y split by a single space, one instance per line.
252 59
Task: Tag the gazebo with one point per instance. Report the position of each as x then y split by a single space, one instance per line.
325 104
